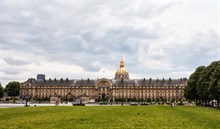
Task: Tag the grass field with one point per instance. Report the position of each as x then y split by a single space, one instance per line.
149 117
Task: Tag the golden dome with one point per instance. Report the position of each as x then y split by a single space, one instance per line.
122 72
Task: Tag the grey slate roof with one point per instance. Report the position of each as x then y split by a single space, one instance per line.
115 82
87 82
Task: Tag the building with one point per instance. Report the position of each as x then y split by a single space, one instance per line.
40 77
121 87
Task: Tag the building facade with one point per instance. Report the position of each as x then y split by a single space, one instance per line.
121 87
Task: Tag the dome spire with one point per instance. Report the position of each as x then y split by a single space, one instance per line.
122 62
122 72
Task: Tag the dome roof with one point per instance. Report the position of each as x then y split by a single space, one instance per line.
122 72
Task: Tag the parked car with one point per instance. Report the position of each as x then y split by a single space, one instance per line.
144 103
133 103
103 103
78 103
20 102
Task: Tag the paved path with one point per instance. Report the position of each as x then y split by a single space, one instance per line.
48 104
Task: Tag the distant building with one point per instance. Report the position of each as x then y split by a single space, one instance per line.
41 77
109 89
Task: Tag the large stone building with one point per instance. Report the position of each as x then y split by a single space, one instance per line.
121 87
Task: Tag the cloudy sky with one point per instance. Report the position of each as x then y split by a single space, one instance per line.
81 39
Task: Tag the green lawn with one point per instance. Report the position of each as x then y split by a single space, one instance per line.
149 117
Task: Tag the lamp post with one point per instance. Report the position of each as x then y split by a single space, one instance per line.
81 94
122 95
14 94
26 100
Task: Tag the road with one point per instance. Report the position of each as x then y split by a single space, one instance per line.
10 105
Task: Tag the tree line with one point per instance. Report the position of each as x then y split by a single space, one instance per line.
203 85
12 89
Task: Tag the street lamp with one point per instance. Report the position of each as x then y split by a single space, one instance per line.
14 94
122 95
26 98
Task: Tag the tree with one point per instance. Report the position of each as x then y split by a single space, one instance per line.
12 88
214 88
191 88
202 84
1 91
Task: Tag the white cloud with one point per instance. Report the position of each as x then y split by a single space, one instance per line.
81 39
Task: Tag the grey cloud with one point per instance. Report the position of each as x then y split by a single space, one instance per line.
95 35
17 62
197 53
12 72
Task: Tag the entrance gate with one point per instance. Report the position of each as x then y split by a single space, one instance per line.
104 89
